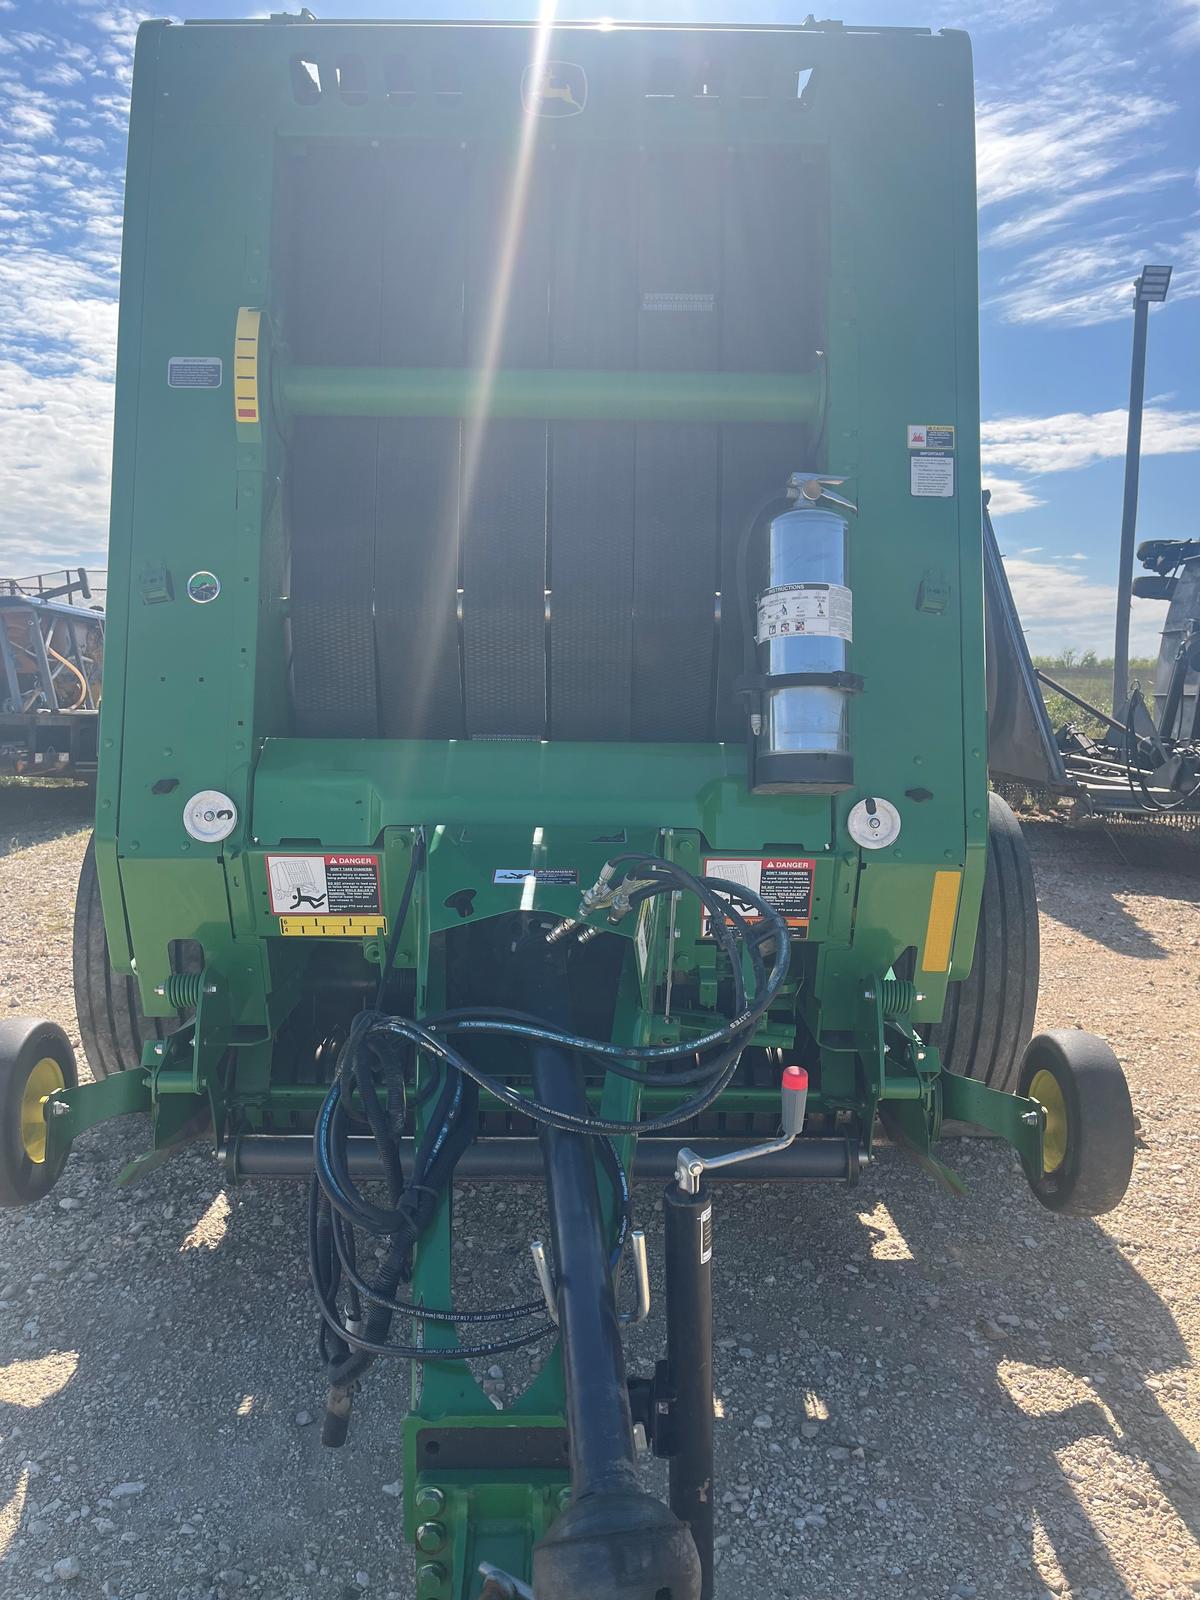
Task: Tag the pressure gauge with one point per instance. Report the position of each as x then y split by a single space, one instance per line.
874 823
210 816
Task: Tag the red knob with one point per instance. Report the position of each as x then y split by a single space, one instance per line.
795 1078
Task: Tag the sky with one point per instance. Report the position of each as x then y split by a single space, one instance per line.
1088 128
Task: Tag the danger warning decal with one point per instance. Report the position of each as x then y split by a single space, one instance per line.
785 882
323 886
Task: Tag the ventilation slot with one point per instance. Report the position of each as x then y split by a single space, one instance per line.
351 76
707 90
306 81
447 84
398 82
663 82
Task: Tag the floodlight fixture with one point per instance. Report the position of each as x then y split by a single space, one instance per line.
1152 283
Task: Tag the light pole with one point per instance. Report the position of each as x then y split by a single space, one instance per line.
1150 285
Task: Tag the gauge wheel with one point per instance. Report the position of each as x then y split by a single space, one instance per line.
35 1059
1088 1129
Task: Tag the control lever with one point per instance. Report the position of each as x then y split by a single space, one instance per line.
690 1168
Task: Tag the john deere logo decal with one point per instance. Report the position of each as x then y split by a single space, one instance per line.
554 89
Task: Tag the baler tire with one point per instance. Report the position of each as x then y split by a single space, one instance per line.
1089 1134
35 1059
988 1020
112 1025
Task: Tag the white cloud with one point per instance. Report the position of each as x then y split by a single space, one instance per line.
1064 140
1068 164
1075 439
1009 495
1188 31
1062 608
1092 281
55 444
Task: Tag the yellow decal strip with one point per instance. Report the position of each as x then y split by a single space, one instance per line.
332 927
939 931
245 367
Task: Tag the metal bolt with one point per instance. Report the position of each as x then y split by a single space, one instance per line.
430 1578
210 988
160 988
868 994
1031 1118
564 1499
429 1500
58 1108
920 1055
918 996
431 1536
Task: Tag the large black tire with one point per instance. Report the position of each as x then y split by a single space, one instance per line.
112 1025
35 1059
988 1019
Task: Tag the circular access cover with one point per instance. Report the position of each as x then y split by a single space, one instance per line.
874 823
210 816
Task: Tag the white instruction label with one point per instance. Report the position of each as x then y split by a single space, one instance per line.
794 609
194 372
931 474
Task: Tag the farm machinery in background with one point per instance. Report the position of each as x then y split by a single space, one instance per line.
1142 764
51 669
546 731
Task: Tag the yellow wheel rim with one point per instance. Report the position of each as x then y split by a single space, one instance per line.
1046 1091
41 1083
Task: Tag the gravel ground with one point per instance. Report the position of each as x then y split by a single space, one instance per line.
920 1396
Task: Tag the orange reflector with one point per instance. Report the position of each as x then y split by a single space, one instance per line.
939 930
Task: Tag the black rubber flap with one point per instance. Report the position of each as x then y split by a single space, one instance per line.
593 326
504 466
675 562
333 297
423 204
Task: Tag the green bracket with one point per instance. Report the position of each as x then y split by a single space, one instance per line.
88 1104
1012 1117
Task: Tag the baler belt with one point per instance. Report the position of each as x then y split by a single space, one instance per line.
332 512
591 580
504 582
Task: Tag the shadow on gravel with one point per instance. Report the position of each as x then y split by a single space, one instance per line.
1080 877
36 810
1092 1330
973 1354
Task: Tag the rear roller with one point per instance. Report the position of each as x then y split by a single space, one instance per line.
35 1059
1088 1134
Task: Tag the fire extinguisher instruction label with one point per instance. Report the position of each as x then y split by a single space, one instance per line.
931 474
785 882
797 610
332 885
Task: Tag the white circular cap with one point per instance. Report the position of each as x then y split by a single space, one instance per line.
210 816
874 823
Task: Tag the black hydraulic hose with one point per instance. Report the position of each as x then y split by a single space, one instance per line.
337 1206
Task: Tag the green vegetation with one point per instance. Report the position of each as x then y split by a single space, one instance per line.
1087 675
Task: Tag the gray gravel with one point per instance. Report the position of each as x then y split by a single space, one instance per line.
920 1396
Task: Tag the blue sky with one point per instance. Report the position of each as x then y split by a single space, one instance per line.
1089 165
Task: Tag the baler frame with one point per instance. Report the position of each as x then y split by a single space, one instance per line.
325 686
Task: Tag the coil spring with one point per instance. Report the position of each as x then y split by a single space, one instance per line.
898 996
183 990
